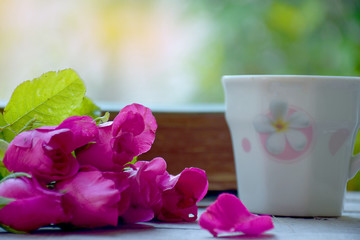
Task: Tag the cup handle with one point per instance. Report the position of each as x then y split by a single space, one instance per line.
354 166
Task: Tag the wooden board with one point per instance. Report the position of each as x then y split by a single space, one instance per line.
196 140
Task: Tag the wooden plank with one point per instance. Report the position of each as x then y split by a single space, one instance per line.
196 140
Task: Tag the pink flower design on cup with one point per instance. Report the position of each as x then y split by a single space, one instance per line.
285 132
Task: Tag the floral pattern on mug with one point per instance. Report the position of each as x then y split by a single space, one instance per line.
286 133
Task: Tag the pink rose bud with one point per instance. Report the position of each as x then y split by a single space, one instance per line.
134 125
130 134
31 206
44 153
181 195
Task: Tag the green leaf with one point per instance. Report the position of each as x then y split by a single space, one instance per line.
3 171
103 119
29 125
49 99
10 229
5 132
3 147
5 201
132 162
15 175
87 107
3 123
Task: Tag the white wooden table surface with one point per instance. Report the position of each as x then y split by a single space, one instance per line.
345 227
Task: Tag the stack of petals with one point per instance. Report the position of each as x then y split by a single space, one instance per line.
80 176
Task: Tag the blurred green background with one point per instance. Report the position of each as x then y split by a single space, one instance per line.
175 52
160 52
279 37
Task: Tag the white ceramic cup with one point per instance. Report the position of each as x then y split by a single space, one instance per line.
293 139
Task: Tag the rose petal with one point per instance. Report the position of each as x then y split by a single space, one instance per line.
137 214
59 139
83 128
122 183
182 194
227 214
129 121
145 190
91 199
157 166
149 119
23 140
125 147
100 154
186 181
138 121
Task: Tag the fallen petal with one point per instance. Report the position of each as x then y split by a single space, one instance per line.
227 215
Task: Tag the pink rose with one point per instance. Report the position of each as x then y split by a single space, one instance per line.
130 134
134 131
181 195
146 182
46 152
31 206
227 215
90 198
